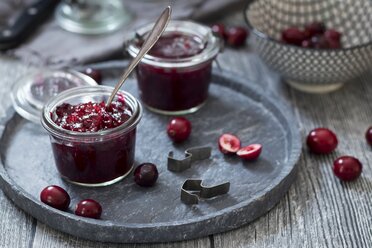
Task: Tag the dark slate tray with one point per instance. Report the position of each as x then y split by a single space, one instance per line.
132 214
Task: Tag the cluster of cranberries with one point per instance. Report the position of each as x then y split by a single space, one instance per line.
230 144
145 175
179 130
324 141
233 36
313 35
58 198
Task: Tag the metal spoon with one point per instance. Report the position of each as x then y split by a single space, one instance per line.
150 41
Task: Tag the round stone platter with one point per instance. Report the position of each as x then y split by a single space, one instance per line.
132 214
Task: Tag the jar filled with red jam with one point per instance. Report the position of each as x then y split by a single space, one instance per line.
173 78
93 145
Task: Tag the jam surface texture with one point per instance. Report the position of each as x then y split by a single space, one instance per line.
91 116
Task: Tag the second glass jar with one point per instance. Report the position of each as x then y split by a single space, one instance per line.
174 77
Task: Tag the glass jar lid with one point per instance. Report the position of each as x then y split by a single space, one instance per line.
93 16
212 44
31 92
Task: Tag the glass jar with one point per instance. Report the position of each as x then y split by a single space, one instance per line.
92 16
92 158
176 84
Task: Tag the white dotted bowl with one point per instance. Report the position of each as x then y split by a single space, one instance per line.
313 70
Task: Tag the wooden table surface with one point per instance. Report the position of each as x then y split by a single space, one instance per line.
318 210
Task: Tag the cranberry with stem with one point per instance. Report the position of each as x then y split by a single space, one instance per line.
228 143
347 168
322 141
146 174
236 36
88 208
55 197
179 129
250 152
369 135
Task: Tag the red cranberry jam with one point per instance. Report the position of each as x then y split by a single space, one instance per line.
173 90
91 117
93 145
174 77
95 162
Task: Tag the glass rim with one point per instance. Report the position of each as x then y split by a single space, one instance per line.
212 48
57 131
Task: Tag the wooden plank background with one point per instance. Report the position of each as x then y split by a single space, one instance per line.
318 210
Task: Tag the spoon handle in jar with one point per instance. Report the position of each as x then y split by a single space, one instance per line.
150 41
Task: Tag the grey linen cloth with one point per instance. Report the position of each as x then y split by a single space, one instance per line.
53 46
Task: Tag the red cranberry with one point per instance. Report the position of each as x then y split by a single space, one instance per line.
55 197
89 208
333 38
228 144
236 36
179 129
293 36
95 74
369 135
347 168
219 29
250 152
322 141
146 174
332 34
315 28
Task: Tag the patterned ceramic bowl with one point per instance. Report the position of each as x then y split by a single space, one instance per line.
306 69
